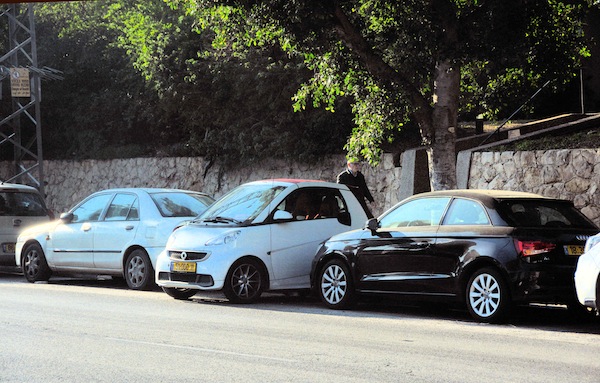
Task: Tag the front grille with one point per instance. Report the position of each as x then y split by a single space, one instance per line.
198 279
187 255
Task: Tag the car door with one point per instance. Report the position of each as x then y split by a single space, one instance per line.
72 242
400 255
316 217
116 231
465 232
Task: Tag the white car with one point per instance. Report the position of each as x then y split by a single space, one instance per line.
587 274
20 206
260 236
116 232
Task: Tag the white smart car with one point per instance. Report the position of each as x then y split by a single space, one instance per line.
587 274
261 236
117 232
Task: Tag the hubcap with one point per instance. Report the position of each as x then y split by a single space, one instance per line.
484 295
136 271
333 284
246 281
32 263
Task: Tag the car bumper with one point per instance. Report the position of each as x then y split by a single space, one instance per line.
586 281
543 283
210 274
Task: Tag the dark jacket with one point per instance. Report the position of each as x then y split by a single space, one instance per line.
356 183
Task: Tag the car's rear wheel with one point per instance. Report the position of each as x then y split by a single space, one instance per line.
34 265
178 293
244 282
487 296
335 285
139 274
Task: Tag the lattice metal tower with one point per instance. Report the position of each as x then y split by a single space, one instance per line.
20 95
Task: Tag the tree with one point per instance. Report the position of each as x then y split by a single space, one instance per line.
403 63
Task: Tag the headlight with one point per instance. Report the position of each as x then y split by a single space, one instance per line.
591 242
224 239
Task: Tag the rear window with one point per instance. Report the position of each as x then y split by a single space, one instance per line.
22 204
540 213
171 204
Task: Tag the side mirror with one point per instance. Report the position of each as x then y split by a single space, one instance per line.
282 215
373 225
66 217
344 218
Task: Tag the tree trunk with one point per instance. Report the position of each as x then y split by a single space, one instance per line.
442 150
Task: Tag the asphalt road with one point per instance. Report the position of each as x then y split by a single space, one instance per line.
74 330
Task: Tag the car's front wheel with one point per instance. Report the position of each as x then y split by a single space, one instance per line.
179 293
244 282
335 285
139 273
487 296
34 265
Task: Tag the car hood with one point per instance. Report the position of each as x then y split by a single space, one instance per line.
193 236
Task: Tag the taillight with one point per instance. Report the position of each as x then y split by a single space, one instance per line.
533 248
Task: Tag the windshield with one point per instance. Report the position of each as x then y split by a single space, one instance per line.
180 204
242 204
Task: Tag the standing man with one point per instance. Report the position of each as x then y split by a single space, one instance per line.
353 178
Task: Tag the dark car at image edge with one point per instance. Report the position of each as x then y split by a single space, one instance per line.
488 249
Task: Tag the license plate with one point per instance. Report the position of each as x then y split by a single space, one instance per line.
8 247
573 250
183 267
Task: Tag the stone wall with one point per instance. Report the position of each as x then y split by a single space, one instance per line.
68 182
568 174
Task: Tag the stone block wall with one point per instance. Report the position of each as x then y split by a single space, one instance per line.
567 174
68 182
572 174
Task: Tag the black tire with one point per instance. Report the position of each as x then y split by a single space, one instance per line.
244 282
335 285
487 296
34 265
181 294
138 272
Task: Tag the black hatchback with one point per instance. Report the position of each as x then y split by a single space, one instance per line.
488 248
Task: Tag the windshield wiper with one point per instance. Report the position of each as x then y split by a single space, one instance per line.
219 219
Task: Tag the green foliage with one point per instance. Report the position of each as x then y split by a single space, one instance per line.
505 50
144 79
222 78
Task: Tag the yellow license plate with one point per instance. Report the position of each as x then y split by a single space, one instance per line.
8 247
573 250
183 267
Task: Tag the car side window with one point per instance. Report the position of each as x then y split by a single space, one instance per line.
314 203
418 212
466 212
91 209
121 207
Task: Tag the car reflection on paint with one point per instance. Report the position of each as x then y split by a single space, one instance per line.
488 249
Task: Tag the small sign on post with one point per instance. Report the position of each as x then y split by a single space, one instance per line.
19 82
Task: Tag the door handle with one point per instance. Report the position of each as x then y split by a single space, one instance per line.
422 245
86 227
130 227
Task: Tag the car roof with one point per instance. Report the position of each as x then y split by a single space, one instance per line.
484 194
5 186
149 190
300 182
